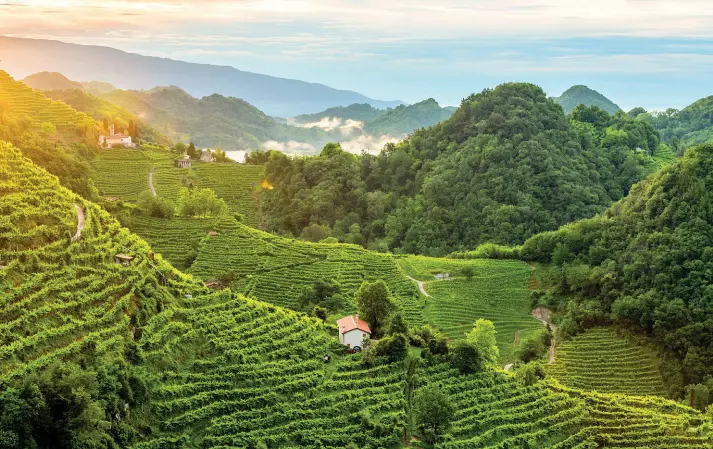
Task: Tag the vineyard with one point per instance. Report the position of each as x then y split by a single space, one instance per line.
125 174
261 378
21 100
497 292
276 269
59 296
600 360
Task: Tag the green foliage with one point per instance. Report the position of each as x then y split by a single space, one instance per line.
483 338
465 357
688 127
420 195
531 373
403 119
434 413
325 293
394 347
315 233
48 129
374 304
644 262
397 325
534 347
154 206
200 203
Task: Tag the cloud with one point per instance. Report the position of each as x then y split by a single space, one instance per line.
329 124
290 147
370 144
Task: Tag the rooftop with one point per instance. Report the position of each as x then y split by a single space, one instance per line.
350 323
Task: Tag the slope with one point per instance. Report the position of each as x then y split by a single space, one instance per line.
142 356
579 94
276 96
646 263
404 120
692 125
50 81
362 112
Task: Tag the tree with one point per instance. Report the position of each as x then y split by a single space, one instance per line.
48 129
154 206
192 152
374 304
315 233
180 148
483 337
468 272
464 356
320 312
394 347
433 413
200 203
397 325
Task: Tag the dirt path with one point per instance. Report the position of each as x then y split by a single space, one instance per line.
80 223
544 315
153 190
420 286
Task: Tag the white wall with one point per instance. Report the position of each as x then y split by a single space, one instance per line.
353 338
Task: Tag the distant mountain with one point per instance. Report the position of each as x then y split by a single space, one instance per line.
51 81
403 120
395 122
275 96
362 112
215 120
579 94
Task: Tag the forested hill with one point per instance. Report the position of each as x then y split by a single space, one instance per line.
692 125
362 112
507 165
576 95
647 263
403 120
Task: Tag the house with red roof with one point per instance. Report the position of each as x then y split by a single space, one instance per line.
353 331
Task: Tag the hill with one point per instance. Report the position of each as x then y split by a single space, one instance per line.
276 96
536 170
362 112
644 264
579 94
140 355
692 125
50 81
403 119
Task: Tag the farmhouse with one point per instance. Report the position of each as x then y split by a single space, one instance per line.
115 139
352 331
185 162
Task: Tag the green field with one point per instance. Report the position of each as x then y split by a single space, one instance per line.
497 292
276 269
600 360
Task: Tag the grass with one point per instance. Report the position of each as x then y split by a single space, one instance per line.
601 360
497 292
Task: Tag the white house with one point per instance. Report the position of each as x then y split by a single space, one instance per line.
352 331
115 139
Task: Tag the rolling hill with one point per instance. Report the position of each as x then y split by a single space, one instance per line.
579 94
275 96
140 355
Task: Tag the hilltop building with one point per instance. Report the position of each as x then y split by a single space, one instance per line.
352 331
115 139
185 162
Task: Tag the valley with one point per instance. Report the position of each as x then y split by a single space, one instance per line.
528 279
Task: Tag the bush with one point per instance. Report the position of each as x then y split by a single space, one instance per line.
532 373
394 348
465 357
153 206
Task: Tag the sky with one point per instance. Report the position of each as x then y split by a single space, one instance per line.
651 53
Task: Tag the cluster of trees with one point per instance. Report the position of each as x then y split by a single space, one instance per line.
507 165
646 263
200 203
692 125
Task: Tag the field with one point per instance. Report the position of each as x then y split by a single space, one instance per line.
125 174
600 360
277 269
497 292
21 100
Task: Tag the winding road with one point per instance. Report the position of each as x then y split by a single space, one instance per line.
420 286
544 315
80 223
153 190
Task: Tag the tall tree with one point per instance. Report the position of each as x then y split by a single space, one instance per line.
433 413
483 338
374 304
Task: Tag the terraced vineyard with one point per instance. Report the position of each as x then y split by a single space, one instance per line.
58 295
125 174
497 292
261 377
22 100
174 239
600 360
277 270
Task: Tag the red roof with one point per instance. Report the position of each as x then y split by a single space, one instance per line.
350 323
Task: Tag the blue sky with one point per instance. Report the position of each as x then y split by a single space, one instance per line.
653 53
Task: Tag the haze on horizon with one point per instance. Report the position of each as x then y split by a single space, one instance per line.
651 53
